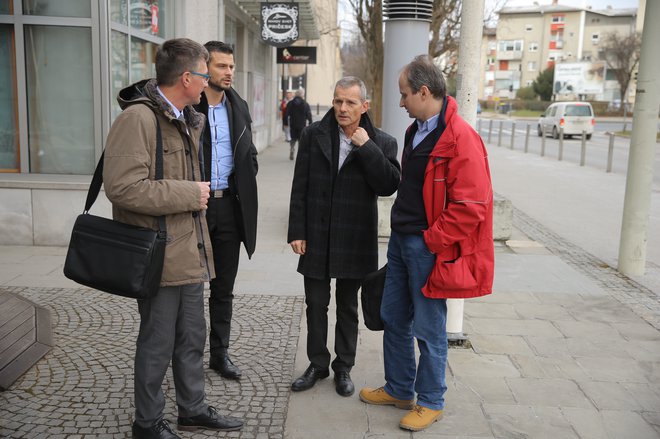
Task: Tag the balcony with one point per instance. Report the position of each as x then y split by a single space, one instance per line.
509 55
557 44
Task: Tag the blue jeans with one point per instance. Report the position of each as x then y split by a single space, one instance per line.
407 314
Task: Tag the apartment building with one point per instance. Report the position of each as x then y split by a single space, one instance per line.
530 39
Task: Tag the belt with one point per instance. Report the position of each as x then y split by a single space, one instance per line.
220 193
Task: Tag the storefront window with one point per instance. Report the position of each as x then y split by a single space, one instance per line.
8 121
60 99
119 11
119 54
230 31
6 6
143 59
69 8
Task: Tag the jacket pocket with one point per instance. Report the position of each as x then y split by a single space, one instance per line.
452 276
174 163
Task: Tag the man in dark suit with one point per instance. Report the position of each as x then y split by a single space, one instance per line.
298 115
344 163
230 164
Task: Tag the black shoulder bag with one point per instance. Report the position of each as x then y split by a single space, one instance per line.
114 257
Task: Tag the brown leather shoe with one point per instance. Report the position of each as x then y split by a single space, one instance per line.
419 418
380 397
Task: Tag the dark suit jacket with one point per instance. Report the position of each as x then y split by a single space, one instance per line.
243 181
338 214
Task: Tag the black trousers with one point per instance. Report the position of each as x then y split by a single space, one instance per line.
317 298
222 216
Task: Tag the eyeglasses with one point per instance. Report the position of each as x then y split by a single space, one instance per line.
203 75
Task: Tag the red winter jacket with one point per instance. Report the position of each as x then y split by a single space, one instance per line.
458 200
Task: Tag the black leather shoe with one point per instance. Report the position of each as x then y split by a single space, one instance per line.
161 430
343 384
210 420
225 367
309 378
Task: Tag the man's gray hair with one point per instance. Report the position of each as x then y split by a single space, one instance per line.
423 71
176 56
352 81
300 92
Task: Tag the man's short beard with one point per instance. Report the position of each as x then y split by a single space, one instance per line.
217 88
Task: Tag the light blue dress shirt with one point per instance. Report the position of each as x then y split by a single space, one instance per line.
222 160
424 128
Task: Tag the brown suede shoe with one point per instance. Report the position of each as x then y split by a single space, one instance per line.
380 397
419 418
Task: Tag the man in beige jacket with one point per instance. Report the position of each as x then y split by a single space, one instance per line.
172 326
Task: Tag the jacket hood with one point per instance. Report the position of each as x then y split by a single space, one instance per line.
145 92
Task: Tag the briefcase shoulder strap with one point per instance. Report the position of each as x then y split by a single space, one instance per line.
97 179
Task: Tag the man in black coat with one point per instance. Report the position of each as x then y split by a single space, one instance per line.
299 115
230 164
343 165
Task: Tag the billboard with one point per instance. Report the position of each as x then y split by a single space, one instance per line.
584 78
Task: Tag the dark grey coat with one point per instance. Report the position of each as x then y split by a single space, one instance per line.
339 219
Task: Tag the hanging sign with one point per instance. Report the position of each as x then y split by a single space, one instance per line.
296 55
279 23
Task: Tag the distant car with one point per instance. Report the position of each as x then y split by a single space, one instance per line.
573 117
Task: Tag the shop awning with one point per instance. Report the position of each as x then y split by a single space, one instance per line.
308 27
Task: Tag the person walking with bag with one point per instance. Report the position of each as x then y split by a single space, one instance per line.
230 164
344 164
441 245
172 324
298 116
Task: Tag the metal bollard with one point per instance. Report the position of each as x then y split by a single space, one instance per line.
513 132
545 133
610 153
527 139
317 108
560 153
499 135
490 129
479 126
583 149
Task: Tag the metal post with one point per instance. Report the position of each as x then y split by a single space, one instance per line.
583 148
513 132
317 108
560 153
499 135
479 126
610 153
639 178
467 79
490 129
545 132
527 139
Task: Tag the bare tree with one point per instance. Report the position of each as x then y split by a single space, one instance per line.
369 17
445 30
621 53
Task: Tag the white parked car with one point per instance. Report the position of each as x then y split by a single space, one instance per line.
573 117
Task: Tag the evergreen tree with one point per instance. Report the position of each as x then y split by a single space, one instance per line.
542 85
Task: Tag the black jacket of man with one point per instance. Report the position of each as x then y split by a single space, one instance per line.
243 181
336 211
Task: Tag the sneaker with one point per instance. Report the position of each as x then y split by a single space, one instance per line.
380 397
419 418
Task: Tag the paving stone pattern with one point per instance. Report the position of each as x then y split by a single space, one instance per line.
644 302
84 387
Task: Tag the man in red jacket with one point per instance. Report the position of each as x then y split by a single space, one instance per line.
441 245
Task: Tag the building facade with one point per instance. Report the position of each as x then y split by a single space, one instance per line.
533 38
61 66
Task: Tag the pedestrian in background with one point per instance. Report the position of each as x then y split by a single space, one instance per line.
441 244
285 123
230 164
172 324
344 164
299 115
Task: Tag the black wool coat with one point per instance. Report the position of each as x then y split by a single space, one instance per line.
299 116
337 214
243 181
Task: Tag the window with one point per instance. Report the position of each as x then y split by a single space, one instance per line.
595 38
528 28
529 82
531 66
8 111
557 18
60 112
509 46
533 47
69 8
